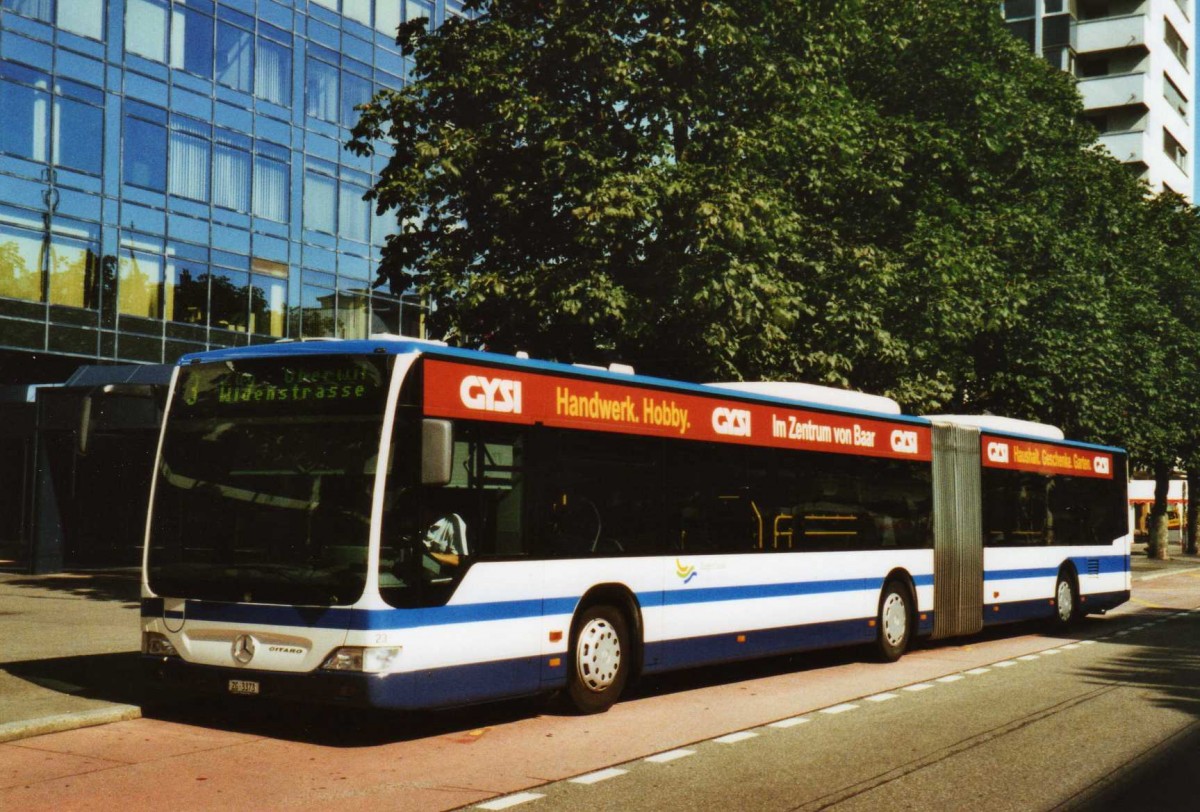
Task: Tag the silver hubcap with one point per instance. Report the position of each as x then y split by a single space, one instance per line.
1066 604
598 654
895 619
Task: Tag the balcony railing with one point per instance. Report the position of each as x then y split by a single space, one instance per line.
1110 34
1119 90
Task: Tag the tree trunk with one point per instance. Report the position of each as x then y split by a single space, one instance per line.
1192 543
1158 513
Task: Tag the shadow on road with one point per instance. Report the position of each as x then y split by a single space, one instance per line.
123 585
1163 780
338 726
108 677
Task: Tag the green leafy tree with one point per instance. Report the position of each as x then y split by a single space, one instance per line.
898 197
722 189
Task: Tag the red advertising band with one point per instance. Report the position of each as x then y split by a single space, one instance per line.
1045 458
457 390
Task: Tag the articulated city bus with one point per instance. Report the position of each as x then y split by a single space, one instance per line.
402 524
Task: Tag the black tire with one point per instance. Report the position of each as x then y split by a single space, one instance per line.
895 621
600 659
1066 601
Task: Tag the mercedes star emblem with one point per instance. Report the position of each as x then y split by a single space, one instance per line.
243 648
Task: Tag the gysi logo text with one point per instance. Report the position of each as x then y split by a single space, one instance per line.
998 453
731 422
904 442
490 394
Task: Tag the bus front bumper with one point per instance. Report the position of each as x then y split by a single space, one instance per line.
333 687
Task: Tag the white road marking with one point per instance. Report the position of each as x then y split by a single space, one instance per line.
1070 646
920 686
950 678
839 708
1004 664
1028 657
1087 642
597 777
974 672
881 697
510 800
734 738
795 720
1052 651
670 755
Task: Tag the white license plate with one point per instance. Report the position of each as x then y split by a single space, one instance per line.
243 686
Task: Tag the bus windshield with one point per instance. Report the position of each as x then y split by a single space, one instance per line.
263 489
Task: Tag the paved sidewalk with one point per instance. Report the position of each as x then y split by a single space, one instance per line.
68 656
69 650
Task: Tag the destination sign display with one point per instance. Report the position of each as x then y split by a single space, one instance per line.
306 384
1045 458
458 390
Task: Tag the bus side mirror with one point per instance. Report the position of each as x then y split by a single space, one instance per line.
437 451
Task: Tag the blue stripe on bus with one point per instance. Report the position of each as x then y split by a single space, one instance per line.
666 655
378 619
1107 564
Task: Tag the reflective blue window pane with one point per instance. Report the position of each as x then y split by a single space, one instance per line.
415 9
321 90
78 135
387 17
145 154
355 91
187 286
320 203
231 171
273 72
83 17
317 306
270 189
189 159
268 305
38 9
235 57
354 213
26 116
192 42
229 299
357 10
146 29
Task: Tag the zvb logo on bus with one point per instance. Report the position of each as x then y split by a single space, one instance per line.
998 453
685 572
490 394
904 442
732 422
1102 465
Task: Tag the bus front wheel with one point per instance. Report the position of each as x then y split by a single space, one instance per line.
1066 601
895 621
600 659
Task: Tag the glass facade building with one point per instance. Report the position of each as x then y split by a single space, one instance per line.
173 177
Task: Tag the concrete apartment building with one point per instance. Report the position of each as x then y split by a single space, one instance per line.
1133 60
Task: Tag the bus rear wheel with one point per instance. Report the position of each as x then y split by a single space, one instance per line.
600 659
895 621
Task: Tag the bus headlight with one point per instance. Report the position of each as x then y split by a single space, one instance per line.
158 645
367 659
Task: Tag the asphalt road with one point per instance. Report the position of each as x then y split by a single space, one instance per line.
1105 718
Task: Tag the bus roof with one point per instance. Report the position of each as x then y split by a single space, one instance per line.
399 345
